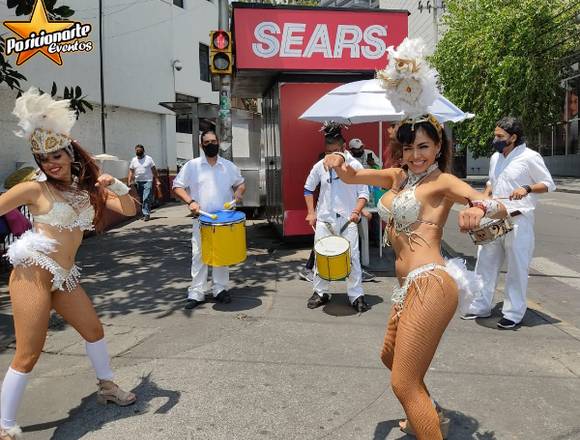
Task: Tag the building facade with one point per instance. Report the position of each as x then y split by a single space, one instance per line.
152 52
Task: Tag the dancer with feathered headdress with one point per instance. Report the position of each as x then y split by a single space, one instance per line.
67 198
415 210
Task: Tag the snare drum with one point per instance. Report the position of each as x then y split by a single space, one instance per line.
491 229
223 240
332 258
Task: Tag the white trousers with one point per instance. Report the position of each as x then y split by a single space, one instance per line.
517 247
220 275
354 282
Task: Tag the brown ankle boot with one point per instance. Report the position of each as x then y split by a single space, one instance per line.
109 391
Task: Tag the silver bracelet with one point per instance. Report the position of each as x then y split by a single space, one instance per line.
119 188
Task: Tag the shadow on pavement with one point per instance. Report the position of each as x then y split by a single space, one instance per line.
151 268
90 417
339 304
6 331
532 318
463 427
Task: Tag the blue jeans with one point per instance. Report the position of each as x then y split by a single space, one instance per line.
145 190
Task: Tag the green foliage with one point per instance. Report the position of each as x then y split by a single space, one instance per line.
503 57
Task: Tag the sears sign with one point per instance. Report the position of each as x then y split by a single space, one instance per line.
315 39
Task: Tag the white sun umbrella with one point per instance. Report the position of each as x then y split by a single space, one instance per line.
365 101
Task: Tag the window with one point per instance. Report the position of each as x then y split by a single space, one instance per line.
204 62
183 117
178 3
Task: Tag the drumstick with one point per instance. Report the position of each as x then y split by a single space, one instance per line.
344 227
207 214
230 205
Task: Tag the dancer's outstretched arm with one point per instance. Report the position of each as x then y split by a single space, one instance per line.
381 178
26 193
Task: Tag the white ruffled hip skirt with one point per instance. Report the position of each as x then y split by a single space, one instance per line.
469 283
32 249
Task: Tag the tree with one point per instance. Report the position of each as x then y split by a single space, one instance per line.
503 57
11 77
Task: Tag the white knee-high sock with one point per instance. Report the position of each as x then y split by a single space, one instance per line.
99 356
12 390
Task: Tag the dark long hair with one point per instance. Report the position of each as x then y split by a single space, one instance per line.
405 134
87 171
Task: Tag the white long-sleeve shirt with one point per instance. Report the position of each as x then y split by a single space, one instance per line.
335 197
522 166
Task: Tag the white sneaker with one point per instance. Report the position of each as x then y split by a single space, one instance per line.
470 316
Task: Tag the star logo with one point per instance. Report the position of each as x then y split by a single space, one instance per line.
41 35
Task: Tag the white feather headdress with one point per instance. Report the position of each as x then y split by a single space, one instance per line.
409 81
44 121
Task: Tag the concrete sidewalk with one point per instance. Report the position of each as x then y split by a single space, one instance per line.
266 367
563 184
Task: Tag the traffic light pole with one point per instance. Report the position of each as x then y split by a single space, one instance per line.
224 123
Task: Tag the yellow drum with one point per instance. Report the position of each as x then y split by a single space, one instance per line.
332 258
223 240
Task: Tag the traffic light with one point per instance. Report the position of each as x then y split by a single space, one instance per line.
221 59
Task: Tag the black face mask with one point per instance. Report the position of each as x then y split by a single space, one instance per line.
358 152
140 155
211 150
499 145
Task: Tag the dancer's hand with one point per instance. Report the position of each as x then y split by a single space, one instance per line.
311 219
368 215
105 180
332 161
469 218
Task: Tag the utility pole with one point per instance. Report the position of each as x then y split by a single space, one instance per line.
224 122
102 80
434 5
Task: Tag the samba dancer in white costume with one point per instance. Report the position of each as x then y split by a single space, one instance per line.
416 209
68 199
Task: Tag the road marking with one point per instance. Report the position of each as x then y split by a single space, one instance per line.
557 271
559 205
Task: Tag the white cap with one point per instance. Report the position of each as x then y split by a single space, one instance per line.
355 143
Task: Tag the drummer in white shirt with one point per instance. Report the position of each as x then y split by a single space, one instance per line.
518 173
206 183
338 203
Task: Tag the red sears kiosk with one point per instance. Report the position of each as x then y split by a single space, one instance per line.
290 56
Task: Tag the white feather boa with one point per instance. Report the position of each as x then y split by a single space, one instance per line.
469 283
24 250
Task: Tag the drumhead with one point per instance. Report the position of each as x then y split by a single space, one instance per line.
225 217
331 246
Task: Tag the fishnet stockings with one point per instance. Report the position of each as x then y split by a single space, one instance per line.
410 343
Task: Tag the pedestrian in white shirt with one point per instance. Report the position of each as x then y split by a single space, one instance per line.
207 183
517 173
143 173
338 203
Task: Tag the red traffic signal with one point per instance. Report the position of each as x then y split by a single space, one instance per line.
221 58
